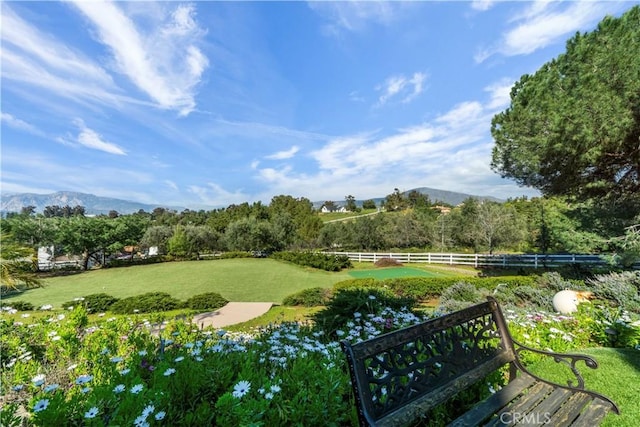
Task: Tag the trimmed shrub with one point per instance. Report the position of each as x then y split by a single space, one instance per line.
206 301
235 254
20 305
357 283
309 297
146 303
322 261
93 303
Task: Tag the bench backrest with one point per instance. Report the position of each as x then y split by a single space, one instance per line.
399 376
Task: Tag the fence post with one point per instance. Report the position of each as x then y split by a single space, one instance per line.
475 264
450 259
535 261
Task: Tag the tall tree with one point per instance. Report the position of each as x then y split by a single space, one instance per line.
573 128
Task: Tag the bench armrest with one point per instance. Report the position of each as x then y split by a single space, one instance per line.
568 359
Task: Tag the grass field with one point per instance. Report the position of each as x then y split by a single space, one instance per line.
617 377
393 272
235 279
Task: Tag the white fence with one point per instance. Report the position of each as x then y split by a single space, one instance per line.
479 260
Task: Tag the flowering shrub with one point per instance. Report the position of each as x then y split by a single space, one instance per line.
62 370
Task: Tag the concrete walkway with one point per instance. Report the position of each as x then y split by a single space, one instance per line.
232 313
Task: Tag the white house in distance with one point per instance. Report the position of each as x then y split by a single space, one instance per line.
325 209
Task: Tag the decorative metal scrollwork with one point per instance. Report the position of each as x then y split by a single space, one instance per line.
399 374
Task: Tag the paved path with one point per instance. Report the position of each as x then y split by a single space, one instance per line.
232 313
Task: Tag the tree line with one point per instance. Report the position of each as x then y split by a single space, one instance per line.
407 222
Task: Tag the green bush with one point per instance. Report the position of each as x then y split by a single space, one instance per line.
312 297
315 259
206 301
345 302
146 303
136 261
94 303
621 288
424 288
357 283
20 305
235 254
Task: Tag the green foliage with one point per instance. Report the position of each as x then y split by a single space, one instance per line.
314 259
17 265
424 288
235 254
136 261
21 305
345 302
309 297
146 303
623 288
585 142
458 296
206 301
94 303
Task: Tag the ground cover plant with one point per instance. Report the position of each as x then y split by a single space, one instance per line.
63 369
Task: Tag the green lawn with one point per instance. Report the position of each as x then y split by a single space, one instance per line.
393 272
244 279
617 376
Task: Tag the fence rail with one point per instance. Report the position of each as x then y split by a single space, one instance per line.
480 260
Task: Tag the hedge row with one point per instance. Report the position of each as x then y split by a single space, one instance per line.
315 260
146 303
422 288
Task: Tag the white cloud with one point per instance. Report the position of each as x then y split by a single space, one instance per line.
482 5
500 93
401 86
214 195
451 151
16 123
165 64
544 23
38 59
281 155
354 16
90 139
172 185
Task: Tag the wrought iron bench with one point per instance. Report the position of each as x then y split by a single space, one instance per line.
399 376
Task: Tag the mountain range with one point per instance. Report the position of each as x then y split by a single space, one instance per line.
96 205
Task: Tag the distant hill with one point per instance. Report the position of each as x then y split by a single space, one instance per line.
435 195
449 197
94 205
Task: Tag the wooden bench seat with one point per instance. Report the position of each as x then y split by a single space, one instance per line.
398 377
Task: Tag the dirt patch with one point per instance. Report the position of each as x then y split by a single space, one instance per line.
387 262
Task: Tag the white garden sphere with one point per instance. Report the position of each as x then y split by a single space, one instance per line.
566 301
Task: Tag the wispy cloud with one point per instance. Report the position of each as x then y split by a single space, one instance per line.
32 57
213 194
482 5
500 93
354 16
401 86
281 155
16 123
451 151
90 139
166 63
543 23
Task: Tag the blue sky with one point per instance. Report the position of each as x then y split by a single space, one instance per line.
206 104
